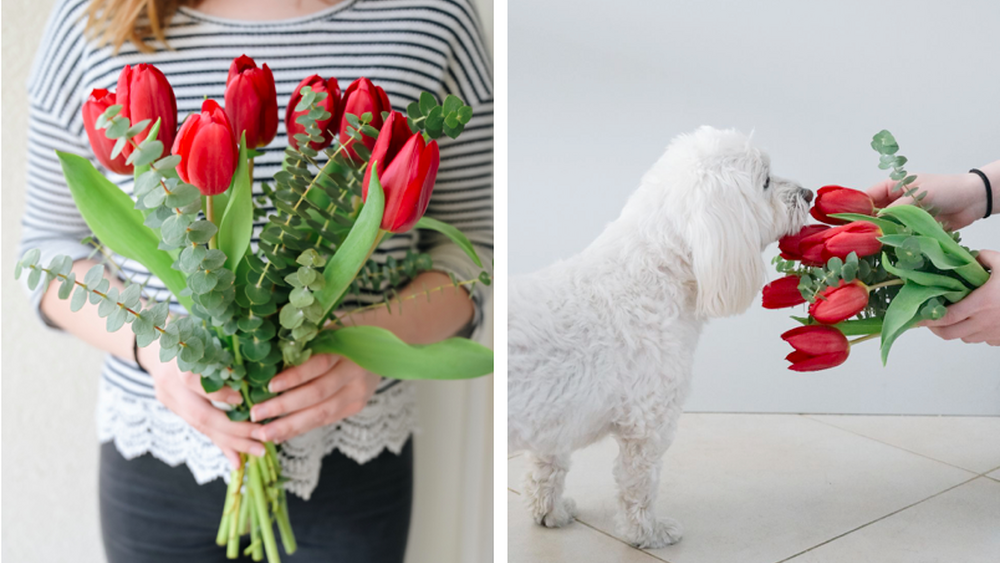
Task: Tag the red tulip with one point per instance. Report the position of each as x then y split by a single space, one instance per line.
860 237
783 292
836 304
790 245
407 168
816 347
144 93
331 104
208 150
96 104
251 102
838 199
363 97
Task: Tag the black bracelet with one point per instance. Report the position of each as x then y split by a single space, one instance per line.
135 353
989 191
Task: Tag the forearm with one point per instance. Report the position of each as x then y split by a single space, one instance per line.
422 320
86 324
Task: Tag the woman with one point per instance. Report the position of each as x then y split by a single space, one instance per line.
345 433
961 199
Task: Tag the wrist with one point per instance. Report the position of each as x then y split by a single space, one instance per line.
986 193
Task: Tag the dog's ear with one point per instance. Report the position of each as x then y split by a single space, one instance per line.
726 258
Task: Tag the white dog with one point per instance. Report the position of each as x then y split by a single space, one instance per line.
604 342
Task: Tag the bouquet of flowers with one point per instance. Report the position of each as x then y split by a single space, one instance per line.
868 272
354 173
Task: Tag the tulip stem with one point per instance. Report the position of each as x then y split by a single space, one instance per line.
865 337
210 215
887 283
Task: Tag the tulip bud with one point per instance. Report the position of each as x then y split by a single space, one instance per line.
836 304
99 101
783 292
816 347
144 93
860 237
838 199
251 102
407 169
208 150
363 97
331 104
790 245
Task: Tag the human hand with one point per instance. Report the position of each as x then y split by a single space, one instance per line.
182 393
977 317
960 198
323 390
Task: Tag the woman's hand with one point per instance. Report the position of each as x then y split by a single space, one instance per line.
960 198
323 390
977 317
182 393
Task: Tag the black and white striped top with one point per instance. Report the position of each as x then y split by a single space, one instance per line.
404 46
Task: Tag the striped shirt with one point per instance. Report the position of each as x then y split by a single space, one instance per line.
404 46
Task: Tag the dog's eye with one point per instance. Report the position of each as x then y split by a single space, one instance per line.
767 182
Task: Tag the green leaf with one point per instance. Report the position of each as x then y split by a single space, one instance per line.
902 312
452 233
858 327
379 351
927 246
111 215
291 316
465 114
413 110
922 223
79 299
202 282
183 194
301 297
884 142
116 319
345 264
201 231
427 102
236 226
928 279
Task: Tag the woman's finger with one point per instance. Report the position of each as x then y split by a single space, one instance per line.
225 395
302 397
300 422
298 375
958 330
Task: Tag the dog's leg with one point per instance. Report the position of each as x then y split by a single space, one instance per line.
543 489
637 471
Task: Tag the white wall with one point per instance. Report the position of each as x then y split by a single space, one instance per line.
50 390
597 90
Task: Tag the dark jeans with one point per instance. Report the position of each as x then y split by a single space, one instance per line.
154 513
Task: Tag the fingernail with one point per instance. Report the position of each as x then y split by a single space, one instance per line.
257 451
257 413
275 386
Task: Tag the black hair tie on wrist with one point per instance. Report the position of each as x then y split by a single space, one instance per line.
135 352
989 191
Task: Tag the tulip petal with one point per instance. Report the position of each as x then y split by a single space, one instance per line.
816 340
817 363
211 161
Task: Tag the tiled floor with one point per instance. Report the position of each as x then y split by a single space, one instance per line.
792 488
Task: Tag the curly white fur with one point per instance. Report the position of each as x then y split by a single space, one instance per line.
604 342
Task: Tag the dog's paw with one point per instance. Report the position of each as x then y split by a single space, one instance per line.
664 532
562 514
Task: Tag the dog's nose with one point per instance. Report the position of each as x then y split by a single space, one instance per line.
806 195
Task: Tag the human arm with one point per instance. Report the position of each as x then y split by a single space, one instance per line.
960 198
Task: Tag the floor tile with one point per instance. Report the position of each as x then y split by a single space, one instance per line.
760 488
994 474
958 440
962 524
530 543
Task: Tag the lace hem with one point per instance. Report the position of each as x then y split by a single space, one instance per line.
139 425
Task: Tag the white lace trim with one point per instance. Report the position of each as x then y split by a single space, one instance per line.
139 425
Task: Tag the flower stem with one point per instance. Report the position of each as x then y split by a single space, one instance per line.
260 502
865 337
887 283
210 215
